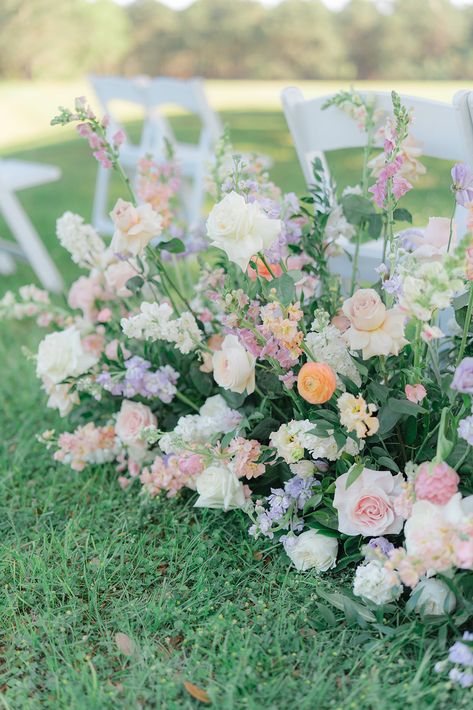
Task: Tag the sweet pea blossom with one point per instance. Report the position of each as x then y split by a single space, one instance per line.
463 377
415 393
462 179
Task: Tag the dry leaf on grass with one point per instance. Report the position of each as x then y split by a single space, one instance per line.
196 692
124 644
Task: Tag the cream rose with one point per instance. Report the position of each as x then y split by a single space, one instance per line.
116 276
218 487
373 329
132 418
134 227
313 551
241 229
366 507
365 309
434 598
62 355
234 367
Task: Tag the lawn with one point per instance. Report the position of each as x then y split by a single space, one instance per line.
202 602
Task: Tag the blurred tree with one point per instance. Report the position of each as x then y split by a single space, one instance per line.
41 38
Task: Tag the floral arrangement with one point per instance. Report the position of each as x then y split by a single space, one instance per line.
336 415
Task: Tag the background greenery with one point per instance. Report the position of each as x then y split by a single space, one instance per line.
368 39
81 561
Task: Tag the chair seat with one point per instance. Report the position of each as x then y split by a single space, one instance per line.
19 174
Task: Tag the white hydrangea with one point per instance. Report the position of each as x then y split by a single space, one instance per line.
329 346
327 448
215 417
375 583
81 240
292 438
154 323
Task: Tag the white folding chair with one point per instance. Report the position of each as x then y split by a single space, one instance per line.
151 96
16 175
438 127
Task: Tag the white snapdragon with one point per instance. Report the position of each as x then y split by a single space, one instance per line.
81 240
375 583
338 226
154 323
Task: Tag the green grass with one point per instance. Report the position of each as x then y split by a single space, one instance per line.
81 561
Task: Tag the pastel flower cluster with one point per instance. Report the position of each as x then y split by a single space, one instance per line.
139 379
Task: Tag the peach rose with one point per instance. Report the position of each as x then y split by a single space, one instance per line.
262 270
135 227
132 418
116 276
365 309
234 367
316 382
367 506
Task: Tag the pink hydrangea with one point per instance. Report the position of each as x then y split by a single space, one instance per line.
436 482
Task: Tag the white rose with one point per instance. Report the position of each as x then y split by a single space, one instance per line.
241 229
435 598
218 487
135 227
313 550
234 367
61 355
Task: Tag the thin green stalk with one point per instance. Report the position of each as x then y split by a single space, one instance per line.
451 225
261 256
466 327
187 401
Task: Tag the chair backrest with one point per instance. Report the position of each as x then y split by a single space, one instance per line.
436 126
151 95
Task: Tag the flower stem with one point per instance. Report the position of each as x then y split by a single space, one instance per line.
187 401
466 327
451 225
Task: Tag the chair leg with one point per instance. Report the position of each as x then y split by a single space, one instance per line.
29 240
99 210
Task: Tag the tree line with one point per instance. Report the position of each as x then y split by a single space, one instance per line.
389 39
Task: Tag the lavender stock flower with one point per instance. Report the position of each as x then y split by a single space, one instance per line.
462 179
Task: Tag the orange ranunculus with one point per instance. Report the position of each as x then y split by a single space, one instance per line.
263 271
316 382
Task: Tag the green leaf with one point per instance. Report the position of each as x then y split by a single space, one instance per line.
388 419
263 429
355 471
389 463
356 208
285 289
402 215
404 406
342 602
327 614
174 246
202 382
134 284
375 225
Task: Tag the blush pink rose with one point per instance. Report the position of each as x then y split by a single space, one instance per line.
132 418
365 309
436 482
367 506
94 344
